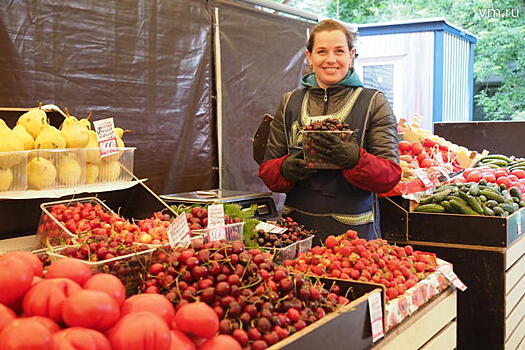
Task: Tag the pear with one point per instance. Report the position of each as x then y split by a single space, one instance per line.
41 173
33 121
109 171
92 171
24 136
6 179
9 143
85 123
50 138
75 134
69 171
93 153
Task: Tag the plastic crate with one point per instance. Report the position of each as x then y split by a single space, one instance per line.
56 168
129 268
285 253
13 167
110 168
309 152
51 232
305 244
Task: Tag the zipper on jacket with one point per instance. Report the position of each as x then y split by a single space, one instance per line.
325 98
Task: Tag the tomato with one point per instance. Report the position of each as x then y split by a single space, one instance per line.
140 331
73 269
422 156
109 284
489 177
78 338
197 319
426 163
404 146
513 178
179 341
28 333
47 297
154 303
519 173
499 173
16 278
221 342
473 176
91 309
416 147
504 180
29 259
6 316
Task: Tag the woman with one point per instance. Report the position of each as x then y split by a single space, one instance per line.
333 201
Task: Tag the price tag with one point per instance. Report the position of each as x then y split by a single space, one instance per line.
216 222
444 172
446 270
422 175
439 157
267 227
376 316
518 217
178 231
107 140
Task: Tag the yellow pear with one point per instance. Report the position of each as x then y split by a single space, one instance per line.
120 144
109 171
41 173
92 172
9 143
24 136
33 121
93 152
69 171
75 134
85 123
50 138
6 179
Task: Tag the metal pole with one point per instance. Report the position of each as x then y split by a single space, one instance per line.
218 84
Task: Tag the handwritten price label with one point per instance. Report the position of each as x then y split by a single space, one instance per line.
422 175
267 227
107 140
179 232
376 316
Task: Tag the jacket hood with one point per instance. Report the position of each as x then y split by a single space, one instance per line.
351 79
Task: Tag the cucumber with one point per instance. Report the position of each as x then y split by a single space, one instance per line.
460 200
487 211
482 182
502 187
495 157
448 207
516 200
430 208
506 194
515 193
491 203
473 203
498 211
427 199
474 190
464 209
441 195
508 207
492 195
482 198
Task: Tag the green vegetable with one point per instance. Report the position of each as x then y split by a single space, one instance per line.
492 195
463 208
430 208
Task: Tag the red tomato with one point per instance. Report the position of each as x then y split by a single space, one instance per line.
499 173
108 284
6 316
29 259
422 156
78 338
179 341
221 342
91 309
426 163
513 178
473 176
404 146
154 303
489 177
74 269
468 171
16 278
28 333
504 180
519 173
416 147
197 319
47 297
140 331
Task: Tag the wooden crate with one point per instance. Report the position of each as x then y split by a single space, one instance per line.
492 310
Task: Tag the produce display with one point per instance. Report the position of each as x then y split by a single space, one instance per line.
348 257
497 161
295 233
257 302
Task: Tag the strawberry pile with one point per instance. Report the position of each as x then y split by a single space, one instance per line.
349 257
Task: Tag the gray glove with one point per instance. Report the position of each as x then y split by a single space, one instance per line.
332 149
294 168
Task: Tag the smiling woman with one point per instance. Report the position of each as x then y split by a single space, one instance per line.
333 201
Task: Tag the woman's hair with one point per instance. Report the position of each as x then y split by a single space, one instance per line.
329 25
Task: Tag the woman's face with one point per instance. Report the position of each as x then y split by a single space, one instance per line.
330 58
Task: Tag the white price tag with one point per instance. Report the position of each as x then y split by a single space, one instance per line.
422 175
178 231
439 157
376 316
444 172
216 234
446 270
215 215
267 227
107 140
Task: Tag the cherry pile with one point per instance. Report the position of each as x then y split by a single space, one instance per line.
197 218
294 234
349 257
327 124
257 302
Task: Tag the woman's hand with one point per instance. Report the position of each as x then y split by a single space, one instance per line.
332 149
294 168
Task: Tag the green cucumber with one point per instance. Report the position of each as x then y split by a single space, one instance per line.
515 193
474 190
508 207
491 203
438 197
463 208
427 199
482 198
495 157
430 208
498 211
487 211
492 195
473 203
448 207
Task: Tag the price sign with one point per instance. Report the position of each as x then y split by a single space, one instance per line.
267 227
107 140
444 172
446 270
376 316
422 175
216 222
179 232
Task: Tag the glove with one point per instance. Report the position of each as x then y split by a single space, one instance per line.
294 168
332 149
